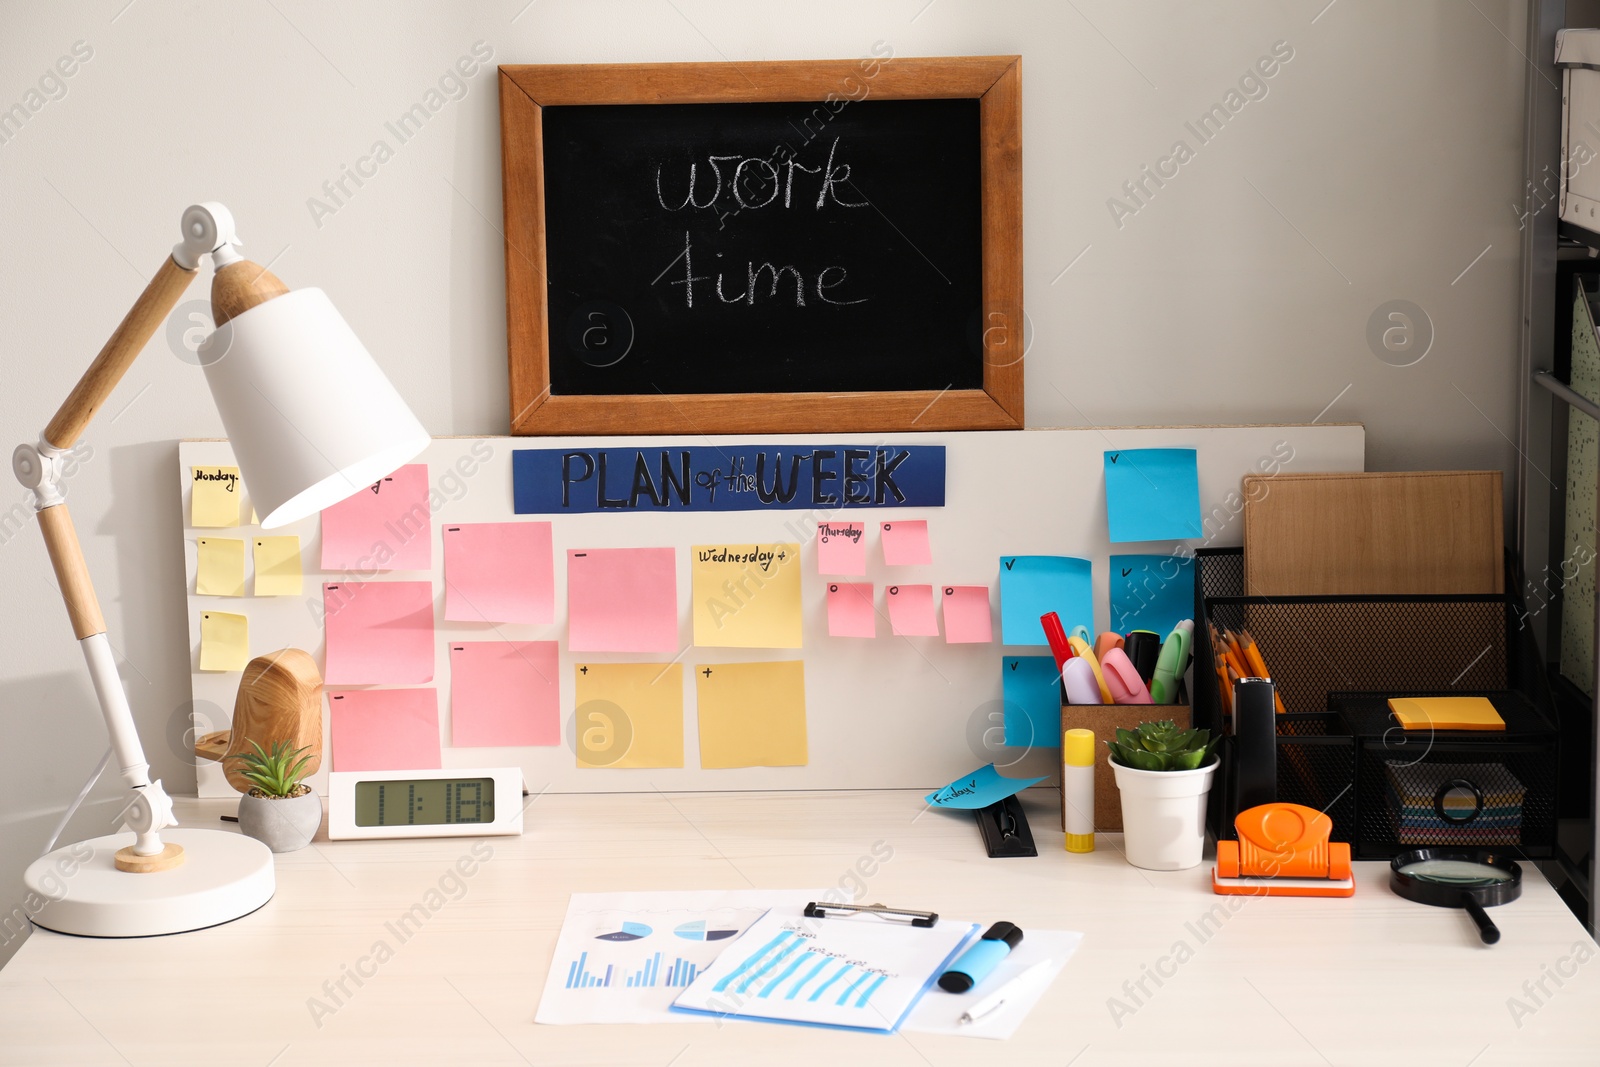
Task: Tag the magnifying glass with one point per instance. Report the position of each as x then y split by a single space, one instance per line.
1468 878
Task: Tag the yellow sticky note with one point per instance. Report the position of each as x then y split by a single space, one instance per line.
746 596
752 714
224 641
215 496
221 571
277 566
629 714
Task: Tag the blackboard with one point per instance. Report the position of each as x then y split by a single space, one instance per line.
808 247
745 248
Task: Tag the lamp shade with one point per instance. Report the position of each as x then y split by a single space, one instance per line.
311 417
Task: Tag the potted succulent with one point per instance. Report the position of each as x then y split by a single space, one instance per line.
1164 775
280 810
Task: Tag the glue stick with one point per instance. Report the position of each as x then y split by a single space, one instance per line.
1077 788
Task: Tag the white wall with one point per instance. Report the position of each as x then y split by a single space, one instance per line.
1383 159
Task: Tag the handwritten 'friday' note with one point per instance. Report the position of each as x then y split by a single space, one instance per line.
214 498
628 715
504 693
841 548
751 714
1152 494
979 789
850 610
622 600
499 572
746 596
385 526
379 633
384 729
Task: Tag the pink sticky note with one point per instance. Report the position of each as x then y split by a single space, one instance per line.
385 729
498 572
385 526
850 612
911 611
841 548
622 600
905 543
967 618
379 633
504 693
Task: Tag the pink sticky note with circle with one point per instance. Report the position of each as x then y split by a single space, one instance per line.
384 729
911 611
967 618
905 543
841 548
850 611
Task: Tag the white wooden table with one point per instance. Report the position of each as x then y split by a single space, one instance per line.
1276 982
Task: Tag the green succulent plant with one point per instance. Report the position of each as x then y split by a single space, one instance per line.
276 773
1161 746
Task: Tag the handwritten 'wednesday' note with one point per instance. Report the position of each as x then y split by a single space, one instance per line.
499 572
746 596
384 729
622 600
504 693
1152 494
751 714
379 633
385 526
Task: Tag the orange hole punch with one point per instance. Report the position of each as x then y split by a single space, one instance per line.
1283 851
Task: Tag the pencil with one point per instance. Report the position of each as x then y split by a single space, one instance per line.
1253 653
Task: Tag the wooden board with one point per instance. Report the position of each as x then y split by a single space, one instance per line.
1413 532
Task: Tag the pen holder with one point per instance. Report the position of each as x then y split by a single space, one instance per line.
1104 720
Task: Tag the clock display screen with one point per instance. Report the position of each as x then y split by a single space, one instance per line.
425 802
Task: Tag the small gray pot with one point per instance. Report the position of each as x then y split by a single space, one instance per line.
283 824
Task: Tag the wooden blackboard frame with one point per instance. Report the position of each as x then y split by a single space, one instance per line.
995 81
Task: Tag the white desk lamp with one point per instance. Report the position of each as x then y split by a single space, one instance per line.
312 420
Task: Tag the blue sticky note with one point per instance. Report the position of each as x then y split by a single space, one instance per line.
1030 586
1151 592
1153 494
979 789
1032 694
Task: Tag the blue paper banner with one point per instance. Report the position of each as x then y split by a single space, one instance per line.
552 481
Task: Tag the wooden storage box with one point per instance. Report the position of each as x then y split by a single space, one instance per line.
1104 720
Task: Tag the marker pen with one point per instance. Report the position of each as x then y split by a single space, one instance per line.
1078 680
1057 637
1077 788
1169 667
1143 648
976 963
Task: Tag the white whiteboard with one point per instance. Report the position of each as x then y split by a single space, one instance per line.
893 712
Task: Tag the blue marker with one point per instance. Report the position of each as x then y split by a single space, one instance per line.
976 963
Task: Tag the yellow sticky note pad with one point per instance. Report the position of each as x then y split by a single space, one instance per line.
221 570
1446 713
746 596
215 496
224 641
629 714
277 566
752 714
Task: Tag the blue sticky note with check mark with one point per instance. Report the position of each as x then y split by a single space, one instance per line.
1032 696
1152 494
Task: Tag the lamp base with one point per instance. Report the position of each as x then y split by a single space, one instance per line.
224 876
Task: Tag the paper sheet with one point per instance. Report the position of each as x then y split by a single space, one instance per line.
379 633
911 611
967 618
1030 586
221 566
277 561
1152 494
905 543
384 729
504 693
746 596
1151 593
979 789
625 957
939 1012
1032 696
224 641
499 572
622 600
751 714
215 495
629 714
841 548
385 526
850 610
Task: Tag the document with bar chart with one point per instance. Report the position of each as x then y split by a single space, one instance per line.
858 972
624 957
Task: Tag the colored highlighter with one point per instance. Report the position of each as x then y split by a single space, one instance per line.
985 954
1169 667
1081 647
1126 685
1078 679
1105 643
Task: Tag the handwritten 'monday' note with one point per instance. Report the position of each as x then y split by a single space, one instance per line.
384 729
379 633
746 596
622 600
385 526
499 572
214 496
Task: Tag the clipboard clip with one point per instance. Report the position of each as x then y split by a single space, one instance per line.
924 919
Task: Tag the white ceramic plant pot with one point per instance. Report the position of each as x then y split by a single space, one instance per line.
1164 815
282 824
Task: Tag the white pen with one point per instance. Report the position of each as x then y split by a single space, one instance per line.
996 1000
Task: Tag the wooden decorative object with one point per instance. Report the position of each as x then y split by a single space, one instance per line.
126 859
280 699
997 339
